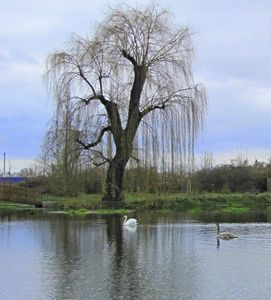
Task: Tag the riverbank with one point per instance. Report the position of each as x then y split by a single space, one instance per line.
180 201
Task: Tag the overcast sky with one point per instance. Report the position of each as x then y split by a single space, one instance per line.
233 61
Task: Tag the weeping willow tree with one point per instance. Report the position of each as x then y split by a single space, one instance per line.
131 83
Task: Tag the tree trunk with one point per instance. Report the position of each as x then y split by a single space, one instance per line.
123 139
114 180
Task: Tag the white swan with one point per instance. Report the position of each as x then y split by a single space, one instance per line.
129 222
224 235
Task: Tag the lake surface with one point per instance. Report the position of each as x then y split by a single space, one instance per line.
171 255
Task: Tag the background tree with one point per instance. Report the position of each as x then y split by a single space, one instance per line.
133 73
207 161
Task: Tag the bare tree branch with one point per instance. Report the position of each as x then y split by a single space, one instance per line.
99 139
151 108
129 57
86 80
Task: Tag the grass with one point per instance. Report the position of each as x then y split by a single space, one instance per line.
234 202
194 210
12 205
83 212
82 201
234 209
85 204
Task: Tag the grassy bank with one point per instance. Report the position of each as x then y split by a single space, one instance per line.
5 205
232 201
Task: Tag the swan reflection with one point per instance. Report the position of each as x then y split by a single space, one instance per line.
130 228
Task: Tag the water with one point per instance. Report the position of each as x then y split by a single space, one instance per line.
169 256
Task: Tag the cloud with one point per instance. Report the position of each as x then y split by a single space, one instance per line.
21 72
259 97
252 94
239 114
23 25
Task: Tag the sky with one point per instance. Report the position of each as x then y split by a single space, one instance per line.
232 60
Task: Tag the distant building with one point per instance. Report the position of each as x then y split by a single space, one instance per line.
12 179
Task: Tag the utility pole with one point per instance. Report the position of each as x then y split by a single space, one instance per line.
4 164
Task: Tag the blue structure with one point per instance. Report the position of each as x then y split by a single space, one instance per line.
12 180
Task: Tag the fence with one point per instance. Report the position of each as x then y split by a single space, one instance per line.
18 194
